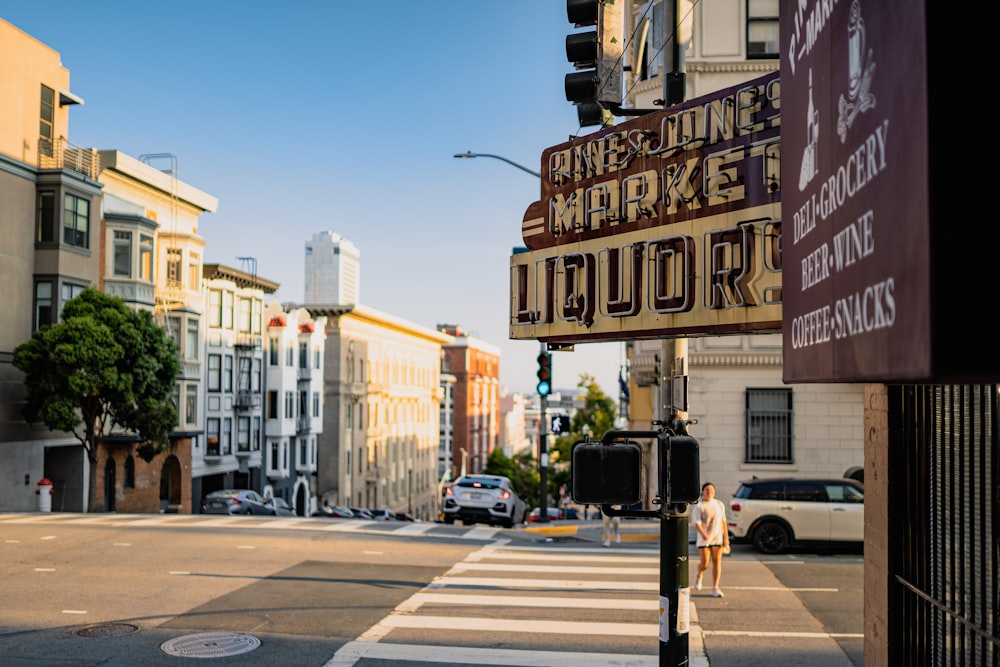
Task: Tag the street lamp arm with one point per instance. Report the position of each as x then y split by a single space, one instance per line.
469 154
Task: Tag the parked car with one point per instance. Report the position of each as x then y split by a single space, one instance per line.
362 513
554 514
487 499
774 514
280 507
235 501
404 516
334 512
384 514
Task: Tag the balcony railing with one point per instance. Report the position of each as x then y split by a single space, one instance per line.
303 424
247 399
61 154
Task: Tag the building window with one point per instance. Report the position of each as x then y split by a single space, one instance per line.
76 221
255 435
43 304
45 219
245 311
146 257
769 426
289 404
212 435
273 350
227 374
129 482
46 123
191 342
243 434
191 404
122 255
762 29
214 372
69 291
272 404
214 308
255 379
194 272
290 354
227 436
315 412
227 310
316 358
303 355
174 262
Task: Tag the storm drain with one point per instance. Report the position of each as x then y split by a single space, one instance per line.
107 630
210 645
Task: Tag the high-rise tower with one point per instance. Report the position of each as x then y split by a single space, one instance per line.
332 270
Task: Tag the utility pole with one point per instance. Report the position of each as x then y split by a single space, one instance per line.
673 405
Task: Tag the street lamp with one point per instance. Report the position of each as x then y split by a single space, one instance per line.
468 154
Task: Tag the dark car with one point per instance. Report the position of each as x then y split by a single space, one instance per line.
279 507
334 512
235 501
362 513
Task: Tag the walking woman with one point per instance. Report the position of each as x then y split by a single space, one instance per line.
708 517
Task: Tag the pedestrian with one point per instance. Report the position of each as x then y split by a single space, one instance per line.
609 529
708 517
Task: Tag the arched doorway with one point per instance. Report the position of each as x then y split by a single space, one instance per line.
109 485
302 501
170 485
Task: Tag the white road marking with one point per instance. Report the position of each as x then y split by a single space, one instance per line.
351 652
568 584
567 569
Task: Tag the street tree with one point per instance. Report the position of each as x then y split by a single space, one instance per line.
104 368
522 470
596 416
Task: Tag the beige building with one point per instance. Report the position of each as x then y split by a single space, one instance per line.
382 382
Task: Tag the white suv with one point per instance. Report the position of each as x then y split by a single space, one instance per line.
773 514
483 499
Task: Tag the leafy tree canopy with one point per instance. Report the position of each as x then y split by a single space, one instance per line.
103 368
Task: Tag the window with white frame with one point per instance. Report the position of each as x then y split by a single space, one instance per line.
227 436
43 304
290 354
315 405
146 257
174 261
191 404
245 312
289 404
255 435
194 271
191 340
243 434
769 425
69 291
215 308
274 349
212 427
227 374
122 254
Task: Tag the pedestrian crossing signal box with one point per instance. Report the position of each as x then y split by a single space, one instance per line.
606 474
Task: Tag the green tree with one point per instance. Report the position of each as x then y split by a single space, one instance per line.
521 470
104 368
595 417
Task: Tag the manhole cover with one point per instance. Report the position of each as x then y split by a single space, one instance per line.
210 645
107 630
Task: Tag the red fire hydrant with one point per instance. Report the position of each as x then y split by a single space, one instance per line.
44 493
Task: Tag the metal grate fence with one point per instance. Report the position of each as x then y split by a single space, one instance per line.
946 558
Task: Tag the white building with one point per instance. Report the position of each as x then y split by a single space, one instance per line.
332 270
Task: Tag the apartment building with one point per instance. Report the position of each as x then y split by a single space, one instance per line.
229 456
151 257
475 364
382 384
294 409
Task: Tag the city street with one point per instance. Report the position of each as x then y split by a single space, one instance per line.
137 589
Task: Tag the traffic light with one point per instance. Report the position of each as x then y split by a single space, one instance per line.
597 56
544 373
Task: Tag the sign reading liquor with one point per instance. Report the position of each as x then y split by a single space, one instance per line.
667 225
857 289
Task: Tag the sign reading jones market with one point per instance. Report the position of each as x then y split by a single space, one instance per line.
667 225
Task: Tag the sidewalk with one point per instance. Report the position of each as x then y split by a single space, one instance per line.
759 621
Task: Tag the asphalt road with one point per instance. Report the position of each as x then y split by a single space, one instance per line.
138 589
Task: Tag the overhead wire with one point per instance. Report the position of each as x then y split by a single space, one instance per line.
629 43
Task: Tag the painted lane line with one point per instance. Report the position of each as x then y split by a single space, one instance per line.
777 635
352 652
521 626
74 611
45 569
413 529
571 584
479 533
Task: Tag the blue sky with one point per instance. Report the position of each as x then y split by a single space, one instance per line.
310 116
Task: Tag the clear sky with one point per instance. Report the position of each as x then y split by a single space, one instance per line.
303 117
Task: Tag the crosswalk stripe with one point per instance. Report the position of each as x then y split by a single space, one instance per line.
352 652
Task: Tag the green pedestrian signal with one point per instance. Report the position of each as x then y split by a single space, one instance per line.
544 374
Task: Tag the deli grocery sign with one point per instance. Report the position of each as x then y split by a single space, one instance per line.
667 225
876 258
